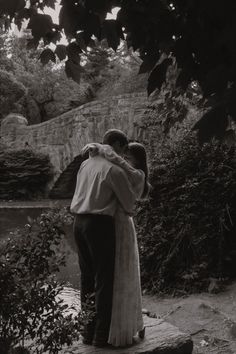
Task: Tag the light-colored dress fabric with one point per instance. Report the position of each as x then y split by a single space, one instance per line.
126 319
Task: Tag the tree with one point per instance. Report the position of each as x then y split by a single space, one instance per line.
199 34
10 92
49 92
120 75
111 73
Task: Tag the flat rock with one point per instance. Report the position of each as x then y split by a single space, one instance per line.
161 338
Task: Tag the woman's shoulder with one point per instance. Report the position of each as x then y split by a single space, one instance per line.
140 174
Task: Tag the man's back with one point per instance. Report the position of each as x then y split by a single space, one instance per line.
100 184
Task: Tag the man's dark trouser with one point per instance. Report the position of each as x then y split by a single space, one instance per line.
95 238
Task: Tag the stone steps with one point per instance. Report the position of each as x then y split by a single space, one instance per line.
161 338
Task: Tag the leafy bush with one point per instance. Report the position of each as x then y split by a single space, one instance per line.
24 174
30 308
187 228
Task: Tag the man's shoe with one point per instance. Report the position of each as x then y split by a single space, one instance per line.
88 341
100 343
141 333
87 337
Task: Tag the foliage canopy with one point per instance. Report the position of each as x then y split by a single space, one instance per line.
199 34
48 92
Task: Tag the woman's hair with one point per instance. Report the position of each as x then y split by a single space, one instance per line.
138 152
113 135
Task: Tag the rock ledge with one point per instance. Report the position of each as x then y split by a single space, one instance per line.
161 338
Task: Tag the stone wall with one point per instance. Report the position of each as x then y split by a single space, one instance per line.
63 137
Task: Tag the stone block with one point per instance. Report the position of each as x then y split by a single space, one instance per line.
161 338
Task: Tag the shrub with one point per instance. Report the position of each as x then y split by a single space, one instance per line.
29 306
187 228
24 174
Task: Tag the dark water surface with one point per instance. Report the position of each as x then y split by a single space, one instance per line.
15 216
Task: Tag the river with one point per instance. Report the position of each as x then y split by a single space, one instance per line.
16 214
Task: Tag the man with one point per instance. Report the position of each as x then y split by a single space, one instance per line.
101 186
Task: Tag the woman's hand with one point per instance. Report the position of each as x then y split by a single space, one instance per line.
91 148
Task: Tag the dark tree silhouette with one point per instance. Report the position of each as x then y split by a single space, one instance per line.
199 34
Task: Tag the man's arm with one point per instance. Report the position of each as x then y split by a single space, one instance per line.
122 188
77 186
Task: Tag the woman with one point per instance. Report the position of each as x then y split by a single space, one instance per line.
126 319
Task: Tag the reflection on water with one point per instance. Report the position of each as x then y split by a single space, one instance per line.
12 218
71 297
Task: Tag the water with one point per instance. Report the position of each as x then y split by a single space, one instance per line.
15 217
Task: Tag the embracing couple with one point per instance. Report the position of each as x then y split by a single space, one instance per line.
108 184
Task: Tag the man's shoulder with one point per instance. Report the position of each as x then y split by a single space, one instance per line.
97 162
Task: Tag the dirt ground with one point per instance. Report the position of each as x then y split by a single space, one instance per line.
209 318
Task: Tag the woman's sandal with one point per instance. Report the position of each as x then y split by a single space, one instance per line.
141 333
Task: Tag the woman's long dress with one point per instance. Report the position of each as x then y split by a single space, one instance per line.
126 319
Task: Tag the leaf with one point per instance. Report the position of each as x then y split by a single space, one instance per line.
32 43
182 52
119 29
50 3
21 16
110 32
73 70
73 52
40 25
46 55
129 40
71 17
60 51
80 40
212 124
183 79
100 6
148 63
216 80
158 75
53 37
10 7
92 26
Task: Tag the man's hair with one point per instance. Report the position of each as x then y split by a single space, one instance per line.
113 135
